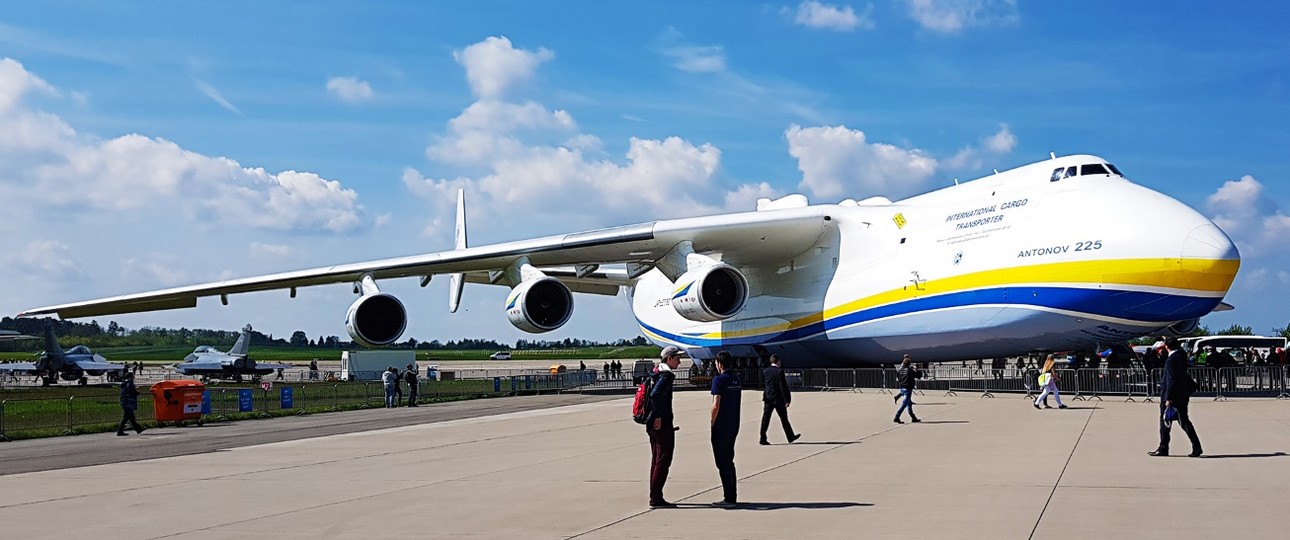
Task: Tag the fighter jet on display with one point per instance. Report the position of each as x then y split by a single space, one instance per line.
10 335
208 362
76 364
1054 255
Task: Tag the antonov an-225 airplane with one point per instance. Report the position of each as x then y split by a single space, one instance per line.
1055 255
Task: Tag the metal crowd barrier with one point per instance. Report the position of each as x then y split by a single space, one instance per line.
1078 384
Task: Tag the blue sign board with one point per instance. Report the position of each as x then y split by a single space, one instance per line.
497 384
286 397
206 402
245 400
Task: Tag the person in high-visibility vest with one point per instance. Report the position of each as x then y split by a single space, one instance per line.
1048 381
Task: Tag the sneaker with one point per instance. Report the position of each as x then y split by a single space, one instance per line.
662 504
1061 406
1036 405
795 437
724 504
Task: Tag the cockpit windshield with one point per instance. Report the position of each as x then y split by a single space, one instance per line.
79 349
1084 170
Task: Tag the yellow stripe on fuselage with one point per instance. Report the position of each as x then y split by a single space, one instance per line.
1199 275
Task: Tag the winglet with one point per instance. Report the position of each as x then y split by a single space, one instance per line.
457 281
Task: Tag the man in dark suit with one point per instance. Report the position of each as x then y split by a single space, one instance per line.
776 398
1176 387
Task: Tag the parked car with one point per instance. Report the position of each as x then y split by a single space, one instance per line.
500 355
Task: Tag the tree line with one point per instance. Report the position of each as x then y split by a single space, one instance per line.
95 335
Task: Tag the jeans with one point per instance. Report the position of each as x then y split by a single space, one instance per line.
907 395
389 397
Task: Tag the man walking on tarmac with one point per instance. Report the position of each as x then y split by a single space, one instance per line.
776 398
905 377
129 402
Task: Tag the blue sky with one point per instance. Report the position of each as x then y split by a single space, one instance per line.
153 144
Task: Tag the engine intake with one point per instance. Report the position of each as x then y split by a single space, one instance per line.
1182 328
711 293
539 305
376 319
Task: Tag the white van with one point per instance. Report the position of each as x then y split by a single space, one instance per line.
500 355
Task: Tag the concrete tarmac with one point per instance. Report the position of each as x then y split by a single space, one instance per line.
974 468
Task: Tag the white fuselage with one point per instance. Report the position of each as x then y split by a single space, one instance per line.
1008 264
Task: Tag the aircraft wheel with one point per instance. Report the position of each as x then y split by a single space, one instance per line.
83 381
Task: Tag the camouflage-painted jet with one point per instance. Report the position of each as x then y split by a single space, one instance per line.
76 364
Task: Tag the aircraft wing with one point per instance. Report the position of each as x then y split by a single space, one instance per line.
18 367
741 238
97 364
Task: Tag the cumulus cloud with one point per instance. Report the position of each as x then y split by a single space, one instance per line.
1249 216
16 81
842 18
990 148
349 89
837 161
49 165
951 16
493 66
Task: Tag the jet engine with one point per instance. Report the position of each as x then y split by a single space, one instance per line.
539 305
710 293
1182 328
376 319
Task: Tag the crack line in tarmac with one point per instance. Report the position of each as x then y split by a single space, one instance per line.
1063 473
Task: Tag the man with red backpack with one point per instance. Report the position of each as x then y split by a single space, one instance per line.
659 425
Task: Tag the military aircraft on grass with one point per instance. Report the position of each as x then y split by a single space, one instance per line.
208 362
10 335
1054 255
76 364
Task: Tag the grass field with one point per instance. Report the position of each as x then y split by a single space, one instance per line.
28 412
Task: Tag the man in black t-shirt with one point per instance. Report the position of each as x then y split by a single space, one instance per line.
726 396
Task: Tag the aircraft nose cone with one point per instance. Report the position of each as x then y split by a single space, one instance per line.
1209 242
1209 260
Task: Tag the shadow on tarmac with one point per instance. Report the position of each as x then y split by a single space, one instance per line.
1226 456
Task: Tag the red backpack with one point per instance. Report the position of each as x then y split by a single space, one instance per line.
641 405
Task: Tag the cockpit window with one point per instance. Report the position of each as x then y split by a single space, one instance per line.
1114 170
1093 168
79 349
1057 174
1070 171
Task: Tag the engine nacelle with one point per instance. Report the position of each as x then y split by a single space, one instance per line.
376 319
1182 328
712 293
539 305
